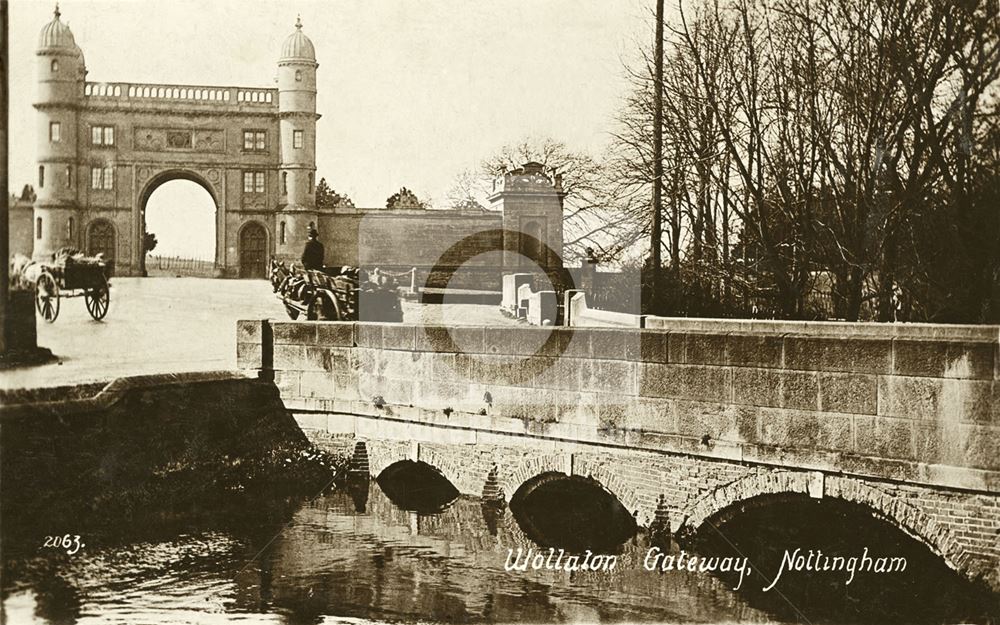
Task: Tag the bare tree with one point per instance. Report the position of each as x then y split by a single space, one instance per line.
469 191
813 147
588 216
656 225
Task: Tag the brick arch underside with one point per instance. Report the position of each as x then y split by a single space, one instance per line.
468 469
385 453
896 511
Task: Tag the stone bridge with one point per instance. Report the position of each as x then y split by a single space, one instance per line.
694 419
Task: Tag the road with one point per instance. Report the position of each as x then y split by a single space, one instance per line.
173 325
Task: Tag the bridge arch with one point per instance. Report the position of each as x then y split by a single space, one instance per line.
728 499
456 468
418 486
574 512
514 476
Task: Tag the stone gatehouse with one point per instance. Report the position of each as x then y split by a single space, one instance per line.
105 147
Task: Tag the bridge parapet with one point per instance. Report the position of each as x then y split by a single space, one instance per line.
918 410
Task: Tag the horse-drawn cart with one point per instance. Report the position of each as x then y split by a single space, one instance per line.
334 294
73 277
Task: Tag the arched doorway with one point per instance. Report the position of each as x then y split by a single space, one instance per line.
180 210
101 239
253 251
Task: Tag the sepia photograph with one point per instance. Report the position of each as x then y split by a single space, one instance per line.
500 311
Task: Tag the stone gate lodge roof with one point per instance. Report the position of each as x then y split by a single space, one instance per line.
297 46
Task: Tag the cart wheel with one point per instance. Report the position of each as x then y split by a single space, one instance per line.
293 313
324 308
98 300
337 314
47 297
314 310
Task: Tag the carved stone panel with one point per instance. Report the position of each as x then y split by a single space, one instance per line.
254 201
209 140
179 140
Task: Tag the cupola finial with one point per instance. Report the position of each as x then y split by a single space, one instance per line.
56 12
298 22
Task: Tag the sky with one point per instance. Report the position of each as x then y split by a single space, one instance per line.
411 92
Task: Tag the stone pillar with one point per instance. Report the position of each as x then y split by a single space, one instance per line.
511 283
544 308
532 204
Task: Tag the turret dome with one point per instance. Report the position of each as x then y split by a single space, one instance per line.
55 34
297 46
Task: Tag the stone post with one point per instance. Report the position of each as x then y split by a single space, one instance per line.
568 296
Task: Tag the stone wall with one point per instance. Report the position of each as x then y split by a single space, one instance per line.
403 238
578 313
100 457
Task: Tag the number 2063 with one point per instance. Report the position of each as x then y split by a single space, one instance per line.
71 543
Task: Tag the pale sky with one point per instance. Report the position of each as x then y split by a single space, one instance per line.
411 92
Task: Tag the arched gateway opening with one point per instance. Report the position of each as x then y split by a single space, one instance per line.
181 211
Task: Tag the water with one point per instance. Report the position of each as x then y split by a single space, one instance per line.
346 557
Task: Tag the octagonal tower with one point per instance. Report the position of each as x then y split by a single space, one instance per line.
61 74
297 110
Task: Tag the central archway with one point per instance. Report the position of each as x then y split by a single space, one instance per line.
181 210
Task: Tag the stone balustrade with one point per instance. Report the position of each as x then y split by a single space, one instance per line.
185 93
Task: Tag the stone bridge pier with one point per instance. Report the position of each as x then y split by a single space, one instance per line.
693 422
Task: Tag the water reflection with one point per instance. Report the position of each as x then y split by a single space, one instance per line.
352 554
392 564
